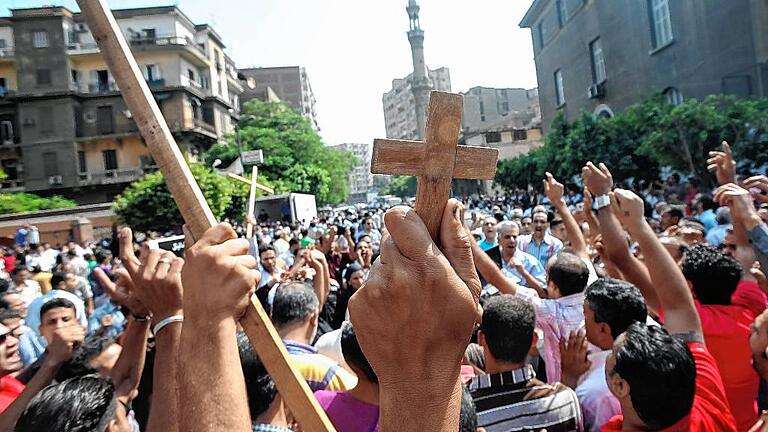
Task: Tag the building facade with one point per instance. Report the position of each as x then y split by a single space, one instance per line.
360 178
64 127
484 106
405 105
289 84
600 56
400 105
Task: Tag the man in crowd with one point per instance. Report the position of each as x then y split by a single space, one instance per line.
521 267
540 243
489 233
506 398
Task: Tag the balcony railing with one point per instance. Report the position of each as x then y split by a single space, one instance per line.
11 185
171 40
5 92
6 52
188 82
75 48
205 126
121 175
94 88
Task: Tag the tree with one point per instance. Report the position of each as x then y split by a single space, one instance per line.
147 205
19 202
295 159
401 186
636 142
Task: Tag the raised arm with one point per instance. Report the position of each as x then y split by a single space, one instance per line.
555 191
745 219
322 279
722 163
680 316
58 352
418 293
600 182
158 286
211 385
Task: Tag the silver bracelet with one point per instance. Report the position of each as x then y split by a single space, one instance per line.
165 321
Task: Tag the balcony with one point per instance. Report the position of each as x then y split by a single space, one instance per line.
11 185
122 175
200 124
188 82
6 53
5 92
170 41
95 88
78 48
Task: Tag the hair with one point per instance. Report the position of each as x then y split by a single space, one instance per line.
693 223
82 404
79 364
474 355
707 203
294 301
6 314
723 215
616 303
58 278
468 413
5 284
674 211
259 387
713 274
56 302
265 248
353 354
569 273
540 211
507 225
350 270
650 359
555 222
508 324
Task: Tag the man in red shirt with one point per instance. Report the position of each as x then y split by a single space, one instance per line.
10 362
726 309
664 378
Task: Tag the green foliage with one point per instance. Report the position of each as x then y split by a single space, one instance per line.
295 159
401 186
653 133
18 202
147 205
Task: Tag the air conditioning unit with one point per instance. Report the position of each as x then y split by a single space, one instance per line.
595 91
81 28
55 180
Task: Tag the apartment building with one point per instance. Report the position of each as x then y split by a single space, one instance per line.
289 84
360 178
64 127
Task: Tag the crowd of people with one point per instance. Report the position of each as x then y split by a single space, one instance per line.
589 308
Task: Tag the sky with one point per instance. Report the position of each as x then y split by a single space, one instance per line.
353 49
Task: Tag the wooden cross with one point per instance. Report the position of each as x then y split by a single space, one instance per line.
437 160
194 208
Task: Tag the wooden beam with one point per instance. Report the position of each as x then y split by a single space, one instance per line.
194 208
404 157
266 189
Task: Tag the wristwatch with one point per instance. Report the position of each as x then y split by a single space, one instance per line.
602 201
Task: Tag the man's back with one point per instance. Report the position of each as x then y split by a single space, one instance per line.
501 404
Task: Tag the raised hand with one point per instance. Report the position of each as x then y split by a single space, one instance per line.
573 358
740 202
425 295
553 189
156 277
122 292
628 208
722 163
758 187
218 261
63 343
597 179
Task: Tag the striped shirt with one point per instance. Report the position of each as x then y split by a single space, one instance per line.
543 251
501 407
320 372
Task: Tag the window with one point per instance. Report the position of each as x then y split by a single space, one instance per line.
559 88
105 120
661 24
562 12
45 119
492 137
598 63
40 39
519 135
50 164
191 74
43 77
674 97
6 131
2 43
540 35
151 72
10 168
110 160
82 165
148 34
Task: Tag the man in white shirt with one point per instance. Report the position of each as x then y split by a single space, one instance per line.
610 307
